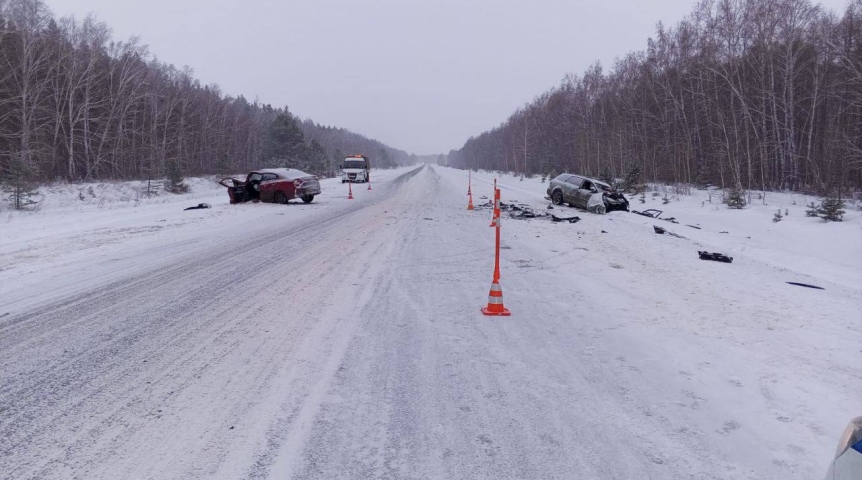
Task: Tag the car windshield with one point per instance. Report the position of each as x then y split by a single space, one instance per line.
360 164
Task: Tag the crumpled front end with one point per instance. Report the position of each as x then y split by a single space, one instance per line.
615 201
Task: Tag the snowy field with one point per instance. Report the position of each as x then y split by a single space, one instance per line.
343 339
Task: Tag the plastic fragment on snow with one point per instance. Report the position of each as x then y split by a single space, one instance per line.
716 257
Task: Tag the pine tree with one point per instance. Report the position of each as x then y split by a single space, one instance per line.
777 217
224 164
831 209
607 177
317 162
175 182
813 210
703 175
633 182
736 197
285 143
18 183
385 159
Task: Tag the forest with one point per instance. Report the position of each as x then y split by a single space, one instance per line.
77 105
741 94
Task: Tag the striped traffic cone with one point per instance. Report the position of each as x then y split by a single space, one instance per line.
495 217
470 202
349 190
495 302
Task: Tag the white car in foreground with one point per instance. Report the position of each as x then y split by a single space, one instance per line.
848 459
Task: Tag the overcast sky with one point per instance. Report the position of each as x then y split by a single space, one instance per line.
422 76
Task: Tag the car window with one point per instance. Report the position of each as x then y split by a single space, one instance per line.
268 176
254 177
588 185
575 180
562 177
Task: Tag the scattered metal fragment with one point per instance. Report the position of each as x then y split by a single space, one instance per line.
651 213
662 231
805 285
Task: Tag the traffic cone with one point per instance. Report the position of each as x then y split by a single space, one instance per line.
495 217
470 184
495 302
470 201
369 182
349 190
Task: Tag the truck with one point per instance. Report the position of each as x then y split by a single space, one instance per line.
355 169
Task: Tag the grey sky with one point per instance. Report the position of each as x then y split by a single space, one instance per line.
421 76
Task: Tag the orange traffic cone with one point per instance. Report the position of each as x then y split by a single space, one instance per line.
470 202
349 191
369 182
495 302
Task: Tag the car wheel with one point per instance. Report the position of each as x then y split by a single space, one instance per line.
557 197
307 198
279 198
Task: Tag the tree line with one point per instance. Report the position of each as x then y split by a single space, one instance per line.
77 105
743 94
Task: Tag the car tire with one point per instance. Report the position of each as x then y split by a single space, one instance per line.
557 197
279 197
307 198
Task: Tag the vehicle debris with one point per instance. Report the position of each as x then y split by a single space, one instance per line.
651 213
199 206
716 257
662 231
692 226
556 219
805 285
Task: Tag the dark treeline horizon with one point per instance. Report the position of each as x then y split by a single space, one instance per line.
77 105
753 94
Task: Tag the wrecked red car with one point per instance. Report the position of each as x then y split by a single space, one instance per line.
273 185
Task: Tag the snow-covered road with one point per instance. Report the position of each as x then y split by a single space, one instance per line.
346 342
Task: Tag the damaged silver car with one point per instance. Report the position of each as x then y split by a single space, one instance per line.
587 193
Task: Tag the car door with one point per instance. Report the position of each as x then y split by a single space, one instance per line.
583 194
268 186
570 190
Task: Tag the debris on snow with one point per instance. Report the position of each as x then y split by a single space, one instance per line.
557 219
805 285
199 206
716 257
651 213
662 231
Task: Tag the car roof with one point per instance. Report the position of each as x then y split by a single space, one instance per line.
599 182
284 172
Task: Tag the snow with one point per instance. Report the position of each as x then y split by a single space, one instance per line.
343 339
